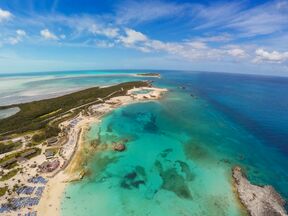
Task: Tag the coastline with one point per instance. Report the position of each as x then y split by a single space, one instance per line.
50 203
257 200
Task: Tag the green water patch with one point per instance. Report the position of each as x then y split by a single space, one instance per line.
99 165
147 120
189 176
195 151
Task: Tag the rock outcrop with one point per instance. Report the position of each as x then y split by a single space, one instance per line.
259 201
119 147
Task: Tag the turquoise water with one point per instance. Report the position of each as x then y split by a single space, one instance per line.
5 113
17 88
165 171
180 150
143 91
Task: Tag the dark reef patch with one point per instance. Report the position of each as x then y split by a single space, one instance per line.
131 175
134 178
147 119
186 170
151 125
100 165
197 152
141 171
164 153
109 128
173 181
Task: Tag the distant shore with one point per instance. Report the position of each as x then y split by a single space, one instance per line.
148 75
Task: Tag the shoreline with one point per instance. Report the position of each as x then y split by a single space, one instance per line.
257 200
50 203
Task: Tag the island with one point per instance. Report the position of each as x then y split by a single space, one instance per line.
157 75
258 200
41 145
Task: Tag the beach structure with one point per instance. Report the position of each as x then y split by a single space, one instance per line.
28 153
49 166
49 153
52 141
8 162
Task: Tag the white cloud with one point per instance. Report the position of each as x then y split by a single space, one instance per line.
225 37
237 52
104 44
4 15
191 50
20 34
272 57
108 32
132 37
13 40
135 12
197 45
46 34
262 19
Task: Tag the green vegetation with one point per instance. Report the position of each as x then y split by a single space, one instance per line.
36 115
10 146
3 190
9 175
18 154
50 114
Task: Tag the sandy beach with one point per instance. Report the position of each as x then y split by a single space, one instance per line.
50 203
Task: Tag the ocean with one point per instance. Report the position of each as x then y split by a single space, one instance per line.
180 149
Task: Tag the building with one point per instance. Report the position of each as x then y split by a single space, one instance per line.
52 141
28 153
49 166
50 153
8 162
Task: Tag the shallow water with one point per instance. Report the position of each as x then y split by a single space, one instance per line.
5 113
36 86
180 150
163 172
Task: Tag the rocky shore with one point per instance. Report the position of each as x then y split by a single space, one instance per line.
258 200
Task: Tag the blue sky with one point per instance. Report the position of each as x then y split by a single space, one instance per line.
227 36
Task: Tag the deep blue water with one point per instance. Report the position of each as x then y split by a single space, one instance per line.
231 118
259 105
210 122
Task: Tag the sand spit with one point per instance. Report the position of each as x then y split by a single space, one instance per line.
258 200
